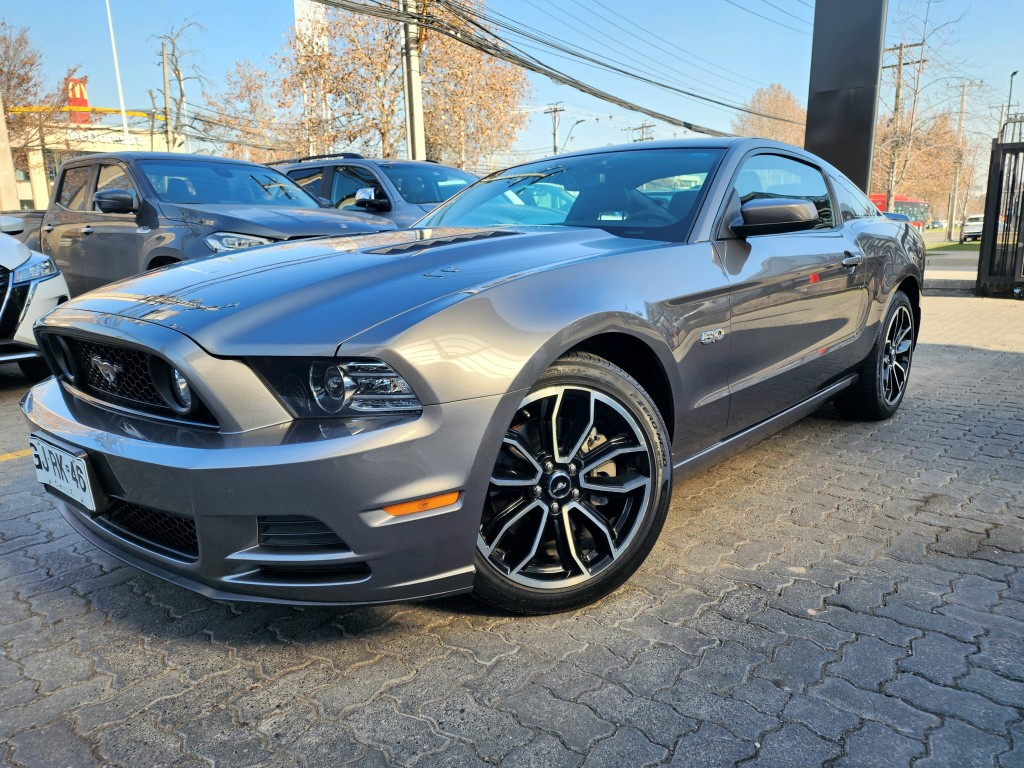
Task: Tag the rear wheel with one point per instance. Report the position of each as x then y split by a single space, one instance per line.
579 491
885 372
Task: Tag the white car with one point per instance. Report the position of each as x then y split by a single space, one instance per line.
30 286
972 228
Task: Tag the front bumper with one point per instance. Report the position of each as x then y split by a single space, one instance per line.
339 474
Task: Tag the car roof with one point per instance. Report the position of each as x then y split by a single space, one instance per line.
179 156
379 161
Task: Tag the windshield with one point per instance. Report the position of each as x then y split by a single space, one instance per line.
198 182
426 183
649 193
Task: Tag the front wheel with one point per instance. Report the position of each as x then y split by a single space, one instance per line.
886 370
578 493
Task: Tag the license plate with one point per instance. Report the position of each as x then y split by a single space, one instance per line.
63 471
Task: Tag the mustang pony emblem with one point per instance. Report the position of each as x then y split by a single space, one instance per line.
106 369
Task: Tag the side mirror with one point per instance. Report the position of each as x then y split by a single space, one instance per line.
774 216
115 201
11 225
367 198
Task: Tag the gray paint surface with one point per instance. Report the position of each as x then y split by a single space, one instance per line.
470 319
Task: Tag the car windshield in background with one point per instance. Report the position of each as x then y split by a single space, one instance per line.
425 183
216 183
648 194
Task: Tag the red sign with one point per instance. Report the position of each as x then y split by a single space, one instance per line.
78 97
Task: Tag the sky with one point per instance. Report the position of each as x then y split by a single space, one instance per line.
724 49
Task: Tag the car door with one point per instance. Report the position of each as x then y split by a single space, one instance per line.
67 224
111 251
797 299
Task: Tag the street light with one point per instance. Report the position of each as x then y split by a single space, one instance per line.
566 143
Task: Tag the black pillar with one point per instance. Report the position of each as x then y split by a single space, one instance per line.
842 99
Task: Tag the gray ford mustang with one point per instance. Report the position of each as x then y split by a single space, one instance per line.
496 400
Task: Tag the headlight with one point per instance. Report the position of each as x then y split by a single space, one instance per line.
319 387
36 268
232 241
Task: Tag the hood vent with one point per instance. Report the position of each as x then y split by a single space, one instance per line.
422 245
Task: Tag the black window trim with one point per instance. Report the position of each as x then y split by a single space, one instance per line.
778 152
96 183
92 168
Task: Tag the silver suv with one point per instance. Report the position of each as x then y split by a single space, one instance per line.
972 228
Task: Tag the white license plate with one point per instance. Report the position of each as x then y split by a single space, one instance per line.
63 471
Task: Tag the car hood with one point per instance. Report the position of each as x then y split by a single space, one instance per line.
13 253
278 223
307 297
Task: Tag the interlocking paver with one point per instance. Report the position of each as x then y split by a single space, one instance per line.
842 594
875 746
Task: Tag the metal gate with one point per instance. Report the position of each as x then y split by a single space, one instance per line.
1001 262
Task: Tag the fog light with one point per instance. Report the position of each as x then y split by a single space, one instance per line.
180 390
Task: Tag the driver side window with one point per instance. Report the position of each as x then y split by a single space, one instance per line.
113 177
347 180
774 176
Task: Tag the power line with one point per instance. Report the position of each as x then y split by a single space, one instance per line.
783 10
767 18
677 48
455 7
505 51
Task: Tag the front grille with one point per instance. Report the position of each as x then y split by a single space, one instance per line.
296 531
12 302
122 377
132 381
164 533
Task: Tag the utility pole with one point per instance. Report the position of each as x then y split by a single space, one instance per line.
416 144
554 110
168 128
642 129
954 191
897 114
8 184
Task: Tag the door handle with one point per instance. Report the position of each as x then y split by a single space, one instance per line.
48 228
853 259
87 230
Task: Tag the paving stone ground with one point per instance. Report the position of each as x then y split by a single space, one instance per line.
842 594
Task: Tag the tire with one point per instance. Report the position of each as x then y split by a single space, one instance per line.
885 372
34 369
579 491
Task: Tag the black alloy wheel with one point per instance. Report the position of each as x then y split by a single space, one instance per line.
578 493
886 371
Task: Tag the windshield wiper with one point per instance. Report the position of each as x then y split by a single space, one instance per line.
535 176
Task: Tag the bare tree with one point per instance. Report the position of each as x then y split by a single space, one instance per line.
773 100
244 120
35 113
182 71
913 131
337 84
470 100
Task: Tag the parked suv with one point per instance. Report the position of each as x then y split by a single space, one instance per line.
30 286
401 191
972 228
115 215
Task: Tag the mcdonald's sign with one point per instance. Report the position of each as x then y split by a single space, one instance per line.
78 97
